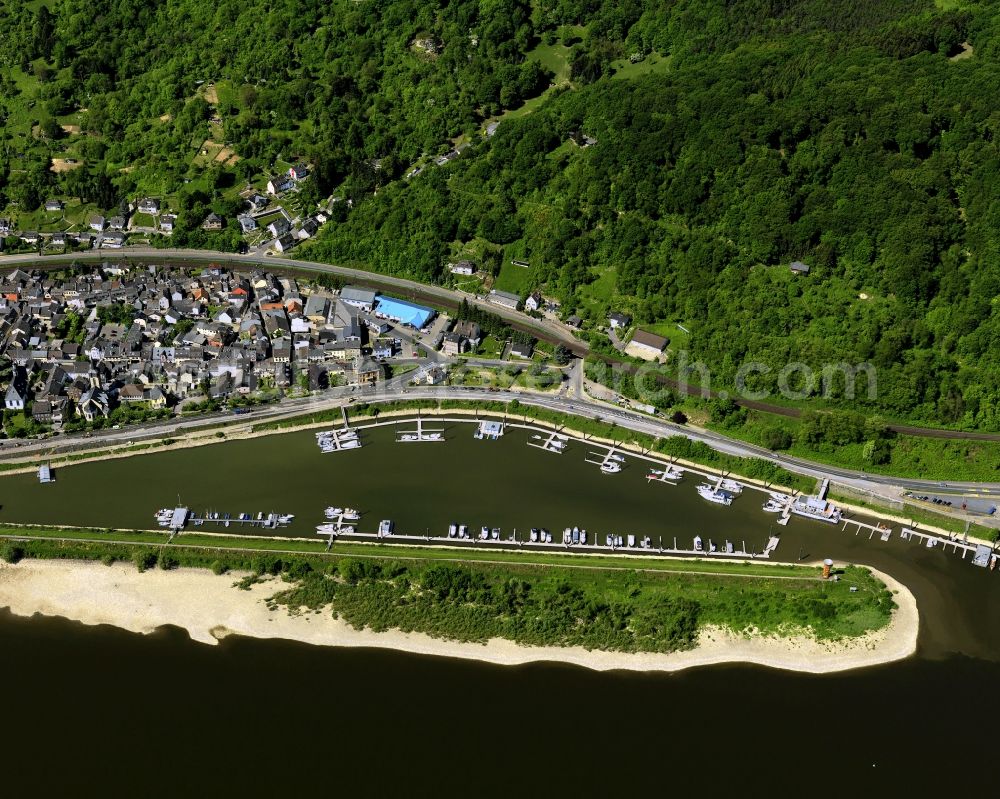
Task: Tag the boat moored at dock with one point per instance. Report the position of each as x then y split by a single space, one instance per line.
719 496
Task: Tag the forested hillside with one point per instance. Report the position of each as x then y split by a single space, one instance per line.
676 184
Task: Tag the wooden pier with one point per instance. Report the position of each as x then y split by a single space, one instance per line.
883 531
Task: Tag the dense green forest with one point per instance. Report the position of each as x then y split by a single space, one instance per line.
725 138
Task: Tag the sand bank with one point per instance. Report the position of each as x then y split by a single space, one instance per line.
210 608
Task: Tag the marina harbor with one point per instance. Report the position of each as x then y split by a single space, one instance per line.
504 495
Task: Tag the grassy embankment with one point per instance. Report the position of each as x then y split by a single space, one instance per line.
535 599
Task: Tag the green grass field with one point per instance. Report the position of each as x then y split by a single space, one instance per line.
654 63
513 278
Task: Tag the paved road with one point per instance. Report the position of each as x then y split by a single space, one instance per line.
545 329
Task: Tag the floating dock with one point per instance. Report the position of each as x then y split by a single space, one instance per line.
610 462
489 430
266 520
931 541
669 474
45 474
337 440
553 442
420 434
586 543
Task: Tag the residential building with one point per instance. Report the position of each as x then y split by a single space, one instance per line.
278 227
463 268
279 184
366 371
383 348
284 242
520 349
453 343
469 330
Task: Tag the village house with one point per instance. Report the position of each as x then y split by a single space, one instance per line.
521 349
284 242
366 371
212 222
279 184
463 268
453 343
619 320
469 330
383 348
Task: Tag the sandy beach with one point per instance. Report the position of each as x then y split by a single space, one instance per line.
210 608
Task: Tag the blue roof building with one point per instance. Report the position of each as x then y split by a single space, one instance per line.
404 312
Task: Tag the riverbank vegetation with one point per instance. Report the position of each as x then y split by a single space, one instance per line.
597 607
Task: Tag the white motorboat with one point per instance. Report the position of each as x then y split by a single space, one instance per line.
720 497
